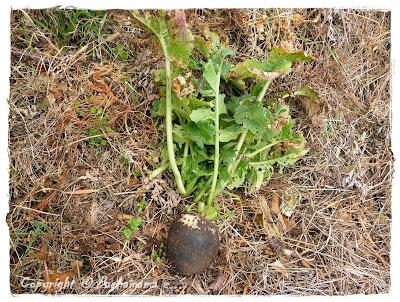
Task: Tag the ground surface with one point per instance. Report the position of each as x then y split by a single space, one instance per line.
71 195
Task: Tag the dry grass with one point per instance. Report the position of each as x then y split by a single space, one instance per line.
68 199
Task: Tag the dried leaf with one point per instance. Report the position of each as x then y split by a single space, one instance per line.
278 266
269 226
196 284
124 217
289 204
283 221
156 231
218 285
264 75
275 204
51 278
113 36
287 252
61 277
82 192
76 266
305 263
266 210
176 86
41 254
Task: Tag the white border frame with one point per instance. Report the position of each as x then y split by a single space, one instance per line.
394 6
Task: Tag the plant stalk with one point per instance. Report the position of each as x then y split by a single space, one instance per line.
168 121
185 154
159 170
263 91
239 145
274 160
254 153
216 154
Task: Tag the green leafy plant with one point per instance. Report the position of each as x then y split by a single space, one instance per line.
95 135
133 224
122 53
157 253
140 206
36 230
223 130
71 26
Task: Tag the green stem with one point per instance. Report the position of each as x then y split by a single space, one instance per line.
216 152
270 161
185 154
252 154
168 106
168 120
191 185
274 160
159 170
263 91
239 145
201 193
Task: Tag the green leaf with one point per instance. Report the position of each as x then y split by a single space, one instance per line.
287 130
238 176
202 46
229 133
160 76
196 64
221 55
141 205
233 103
207 91
180 107
307 92
180 48
127 232
252 115
239 84
278 60
259 175
179 135
201 133
178 43
222 106
123 55
202 115
226 67
228 153
213 38
200 154
265 128
195 103
256 88
210 76
134 223
155 109
210 212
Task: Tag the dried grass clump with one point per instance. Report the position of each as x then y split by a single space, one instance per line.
70 202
